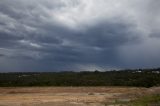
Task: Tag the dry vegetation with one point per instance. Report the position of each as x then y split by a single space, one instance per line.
72 96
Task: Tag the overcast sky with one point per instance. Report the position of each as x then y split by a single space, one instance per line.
59 35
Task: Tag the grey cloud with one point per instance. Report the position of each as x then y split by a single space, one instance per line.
56 35
2 55
109 35
155 34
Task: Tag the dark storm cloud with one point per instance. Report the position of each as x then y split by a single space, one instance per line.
2 55
108 35
68 35
155 34
97 45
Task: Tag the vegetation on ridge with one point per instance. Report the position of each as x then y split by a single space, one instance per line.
137 78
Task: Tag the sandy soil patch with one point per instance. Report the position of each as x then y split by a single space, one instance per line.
69 96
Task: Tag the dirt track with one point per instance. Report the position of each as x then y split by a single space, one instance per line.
69 96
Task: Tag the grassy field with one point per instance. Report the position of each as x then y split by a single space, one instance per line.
147 100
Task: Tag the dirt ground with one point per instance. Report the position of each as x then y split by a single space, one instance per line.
70 96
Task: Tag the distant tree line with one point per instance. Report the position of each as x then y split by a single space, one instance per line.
136 78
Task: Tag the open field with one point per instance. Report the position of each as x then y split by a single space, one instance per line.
72 96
